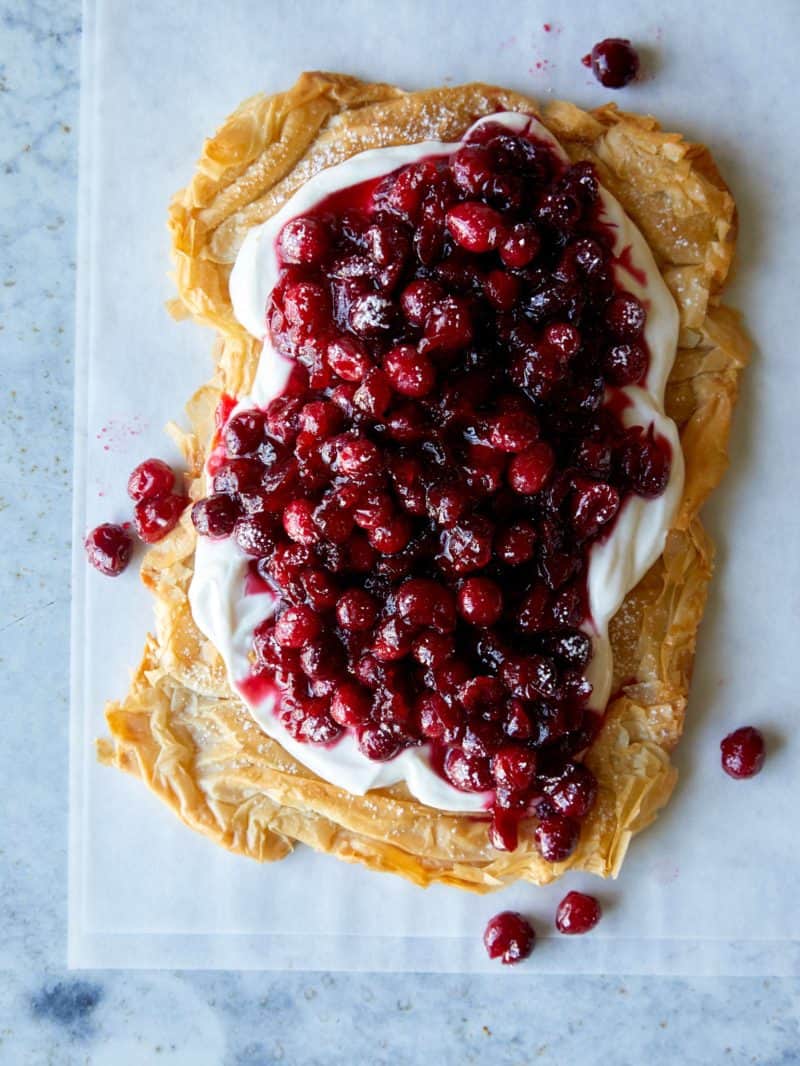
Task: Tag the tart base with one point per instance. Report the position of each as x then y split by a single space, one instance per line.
183 731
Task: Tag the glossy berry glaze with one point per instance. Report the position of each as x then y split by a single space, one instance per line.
509 937
423 496
742 752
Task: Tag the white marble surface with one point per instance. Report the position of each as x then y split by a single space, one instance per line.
48 1015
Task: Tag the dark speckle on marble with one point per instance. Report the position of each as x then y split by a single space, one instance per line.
69 1004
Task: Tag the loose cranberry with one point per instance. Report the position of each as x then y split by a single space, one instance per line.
215 516
614 62
472 169
392 536
480 601
513 767
360 457
509 937
433 649
409 372
501 289
356 610
108 549
556 838
150 480
296 626
155 517
514 431
304 240
475 226
743 752
392 640
529 471
322 591
447 503
577 913
592 506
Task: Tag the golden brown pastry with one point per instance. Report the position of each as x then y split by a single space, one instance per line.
182 730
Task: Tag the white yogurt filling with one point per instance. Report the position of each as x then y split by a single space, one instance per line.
228 616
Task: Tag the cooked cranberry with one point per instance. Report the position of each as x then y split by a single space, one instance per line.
556 837
577 913
472 169
517 724
564 338
348 358
296 626
513 767
575 792
480 601
501 289
350 704
516 543
514 431
371 315
447 503
509 937
418 298
614 62
356 610
468 773
392 536
426 603
244 433
374 394
626 317
448 326
645 462
743 752
379 743
475 226
306 307
359 457
215 516
322 591
467 546
108 549
433 649
321 659
392 639
520 246
410 373
150 480
156 517
625 364
255 534
593 505
529 471
304 240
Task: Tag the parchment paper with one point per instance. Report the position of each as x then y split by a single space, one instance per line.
712 888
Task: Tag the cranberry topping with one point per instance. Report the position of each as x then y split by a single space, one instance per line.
422 498
509 937
577 913
614 62
108 549
743 752
151 479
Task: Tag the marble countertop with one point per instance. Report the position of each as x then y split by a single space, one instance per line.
49 1015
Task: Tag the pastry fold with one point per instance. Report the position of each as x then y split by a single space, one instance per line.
183 731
